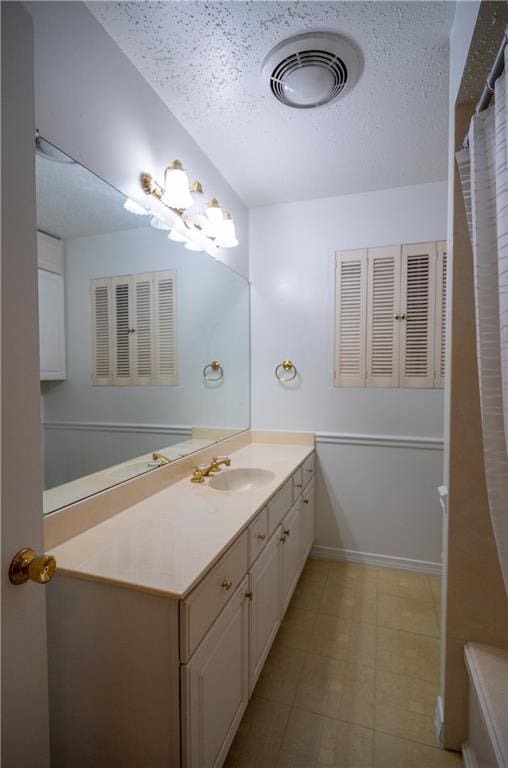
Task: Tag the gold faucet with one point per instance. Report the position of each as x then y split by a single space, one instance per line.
202 471
161 459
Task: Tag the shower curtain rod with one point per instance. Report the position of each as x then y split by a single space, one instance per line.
495 72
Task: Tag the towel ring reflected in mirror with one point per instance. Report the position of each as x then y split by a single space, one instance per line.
288 368
214 367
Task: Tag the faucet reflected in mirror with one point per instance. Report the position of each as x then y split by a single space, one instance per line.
128 316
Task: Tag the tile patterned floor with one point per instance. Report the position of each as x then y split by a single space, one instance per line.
352 678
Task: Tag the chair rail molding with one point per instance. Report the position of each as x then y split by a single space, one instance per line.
381 441
105 426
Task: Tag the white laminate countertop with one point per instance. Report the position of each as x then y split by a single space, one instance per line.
166 543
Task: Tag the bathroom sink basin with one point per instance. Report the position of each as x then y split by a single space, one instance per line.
247 479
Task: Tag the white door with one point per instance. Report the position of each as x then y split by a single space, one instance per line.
264 607
24 738
290 553
215 687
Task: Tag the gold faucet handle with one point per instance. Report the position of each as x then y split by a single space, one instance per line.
197 476
218 460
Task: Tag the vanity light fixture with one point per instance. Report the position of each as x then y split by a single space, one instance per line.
176 187
226 237
196 216
177 237
191 245
157 223
133 207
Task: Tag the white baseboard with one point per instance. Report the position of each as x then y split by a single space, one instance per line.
469 756
379 561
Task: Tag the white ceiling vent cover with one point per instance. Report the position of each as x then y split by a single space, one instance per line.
312 69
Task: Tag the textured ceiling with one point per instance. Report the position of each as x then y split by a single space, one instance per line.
204 59
73 202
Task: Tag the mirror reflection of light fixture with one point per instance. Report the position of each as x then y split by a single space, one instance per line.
133 207
226 236
196 216
158 223
192 246
177 237
176 187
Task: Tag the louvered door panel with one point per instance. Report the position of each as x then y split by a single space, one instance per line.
382 326
142 338
417 315
100 295
350 318
122 325
165 322
440 334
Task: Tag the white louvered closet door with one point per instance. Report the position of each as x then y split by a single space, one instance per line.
383 302
123 323
350 318
143 323
417 317
102 342
165 328
440 334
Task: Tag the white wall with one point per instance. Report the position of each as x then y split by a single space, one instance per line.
212 324
371 498
93 104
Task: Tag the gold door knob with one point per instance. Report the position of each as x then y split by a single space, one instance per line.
26 565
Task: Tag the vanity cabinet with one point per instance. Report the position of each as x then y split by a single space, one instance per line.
264 591
291 562
214 686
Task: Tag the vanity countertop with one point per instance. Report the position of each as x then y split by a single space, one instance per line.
167 542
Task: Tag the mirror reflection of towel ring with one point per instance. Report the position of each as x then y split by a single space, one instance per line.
286 366
216 367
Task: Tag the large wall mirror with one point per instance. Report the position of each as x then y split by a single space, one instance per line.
133 329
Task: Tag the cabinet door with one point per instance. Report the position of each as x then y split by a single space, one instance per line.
383 299
290 554
440 333
215 687
264 607
307 526
418 293
350 317
51 326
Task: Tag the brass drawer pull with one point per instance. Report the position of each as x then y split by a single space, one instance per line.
287 532
261 536
305 501
309 470
227 584
249 595
298 486
283 539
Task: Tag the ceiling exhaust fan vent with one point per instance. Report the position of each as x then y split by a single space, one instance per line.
312 69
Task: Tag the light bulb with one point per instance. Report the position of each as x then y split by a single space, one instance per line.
158 223
176 187
192 246
226 235
177 237
196 216
133 207
214 214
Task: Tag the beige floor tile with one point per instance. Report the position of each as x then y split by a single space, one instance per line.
281 673
407 653
435 587
259 737
412 586
307 594
344 639
353 575
405 707
338 599
314 741
297 628
392 752
316 570
338 689
407 615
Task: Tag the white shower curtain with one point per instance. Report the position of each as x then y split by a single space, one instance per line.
483 169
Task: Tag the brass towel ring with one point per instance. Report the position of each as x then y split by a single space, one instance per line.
286 366
217 368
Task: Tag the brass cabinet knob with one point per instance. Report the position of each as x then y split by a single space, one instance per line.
249 595
403 316
283 539
287 532
261 536
27 565
305 501
227 584
397 317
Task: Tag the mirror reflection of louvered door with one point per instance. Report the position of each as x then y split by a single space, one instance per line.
383 301
350 318
417 315
122 324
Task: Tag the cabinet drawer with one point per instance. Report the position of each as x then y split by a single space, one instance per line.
200 609
258 535
308 468
279 506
